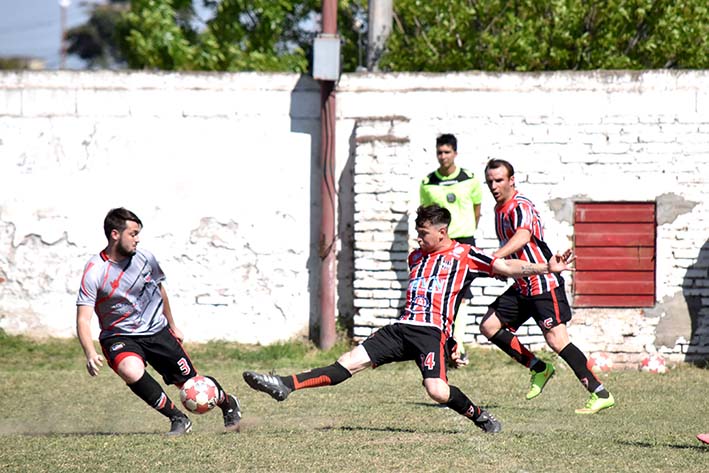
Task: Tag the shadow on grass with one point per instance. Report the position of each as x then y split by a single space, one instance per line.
636 443
443 406
346 428
84 434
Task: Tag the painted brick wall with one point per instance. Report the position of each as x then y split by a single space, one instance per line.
573 137
217 166
224 170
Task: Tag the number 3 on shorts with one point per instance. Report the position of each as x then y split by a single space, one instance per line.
428 361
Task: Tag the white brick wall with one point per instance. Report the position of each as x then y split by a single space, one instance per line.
224 170
615 136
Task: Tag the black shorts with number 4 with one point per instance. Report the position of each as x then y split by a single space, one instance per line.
402 342
549 309
162 351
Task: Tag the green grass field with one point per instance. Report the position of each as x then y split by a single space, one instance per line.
55 418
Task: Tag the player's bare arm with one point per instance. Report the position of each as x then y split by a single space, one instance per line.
521 237
168 314
518 268
94 361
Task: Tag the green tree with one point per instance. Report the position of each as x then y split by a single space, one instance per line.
157 34
94 41
428 35
534 35
261 35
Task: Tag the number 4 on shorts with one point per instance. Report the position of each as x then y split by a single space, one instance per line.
428 361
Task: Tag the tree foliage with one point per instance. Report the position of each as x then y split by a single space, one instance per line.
95 41
534 35
427 35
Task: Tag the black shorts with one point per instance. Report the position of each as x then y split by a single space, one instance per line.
403 342
467 293
162 351
549 309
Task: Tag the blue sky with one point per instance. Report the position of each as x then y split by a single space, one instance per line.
33 28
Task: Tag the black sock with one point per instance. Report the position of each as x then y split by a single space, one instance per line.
579 364
152 393
325 376
510 344
460 403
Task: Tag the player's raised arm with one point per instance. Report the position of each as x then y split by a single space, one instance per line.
518 268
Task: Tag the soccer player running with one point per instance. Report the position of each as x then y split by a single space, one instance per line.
519 230
123 286
438 271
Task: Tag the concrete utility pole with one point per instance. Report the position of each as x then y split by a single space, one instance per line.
328 194
380 20
63 5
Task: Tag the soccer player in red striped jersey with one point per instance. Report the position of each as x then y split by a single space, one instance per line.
438 272
520 233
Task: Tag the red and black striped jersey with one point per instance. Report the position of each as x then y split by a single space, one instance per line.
519 212
436 281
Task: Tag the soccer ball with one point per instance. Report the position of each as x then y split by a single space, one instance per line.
600 362
199 394
653 363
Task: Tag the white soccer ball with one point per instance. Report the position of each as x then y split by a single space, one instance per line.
199 394
600 362
653 363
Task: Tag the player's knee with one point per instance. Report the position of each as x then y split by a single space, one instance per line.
490 326
439 392
557 338
355 360
131 369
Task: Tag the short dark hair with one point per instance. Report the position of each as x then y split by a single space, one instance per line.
433 214
500 163
116 220
447 139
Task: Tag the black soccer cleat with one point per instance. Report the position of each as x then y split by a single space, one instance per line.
232 414
487 422
179 425
267 383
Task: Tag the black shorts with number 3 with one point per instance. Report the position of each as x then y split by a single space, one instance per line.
162 351
549 309
402 342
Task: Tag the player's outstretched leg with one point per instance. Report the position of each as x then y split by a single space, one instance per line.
279 387
270 384
230 406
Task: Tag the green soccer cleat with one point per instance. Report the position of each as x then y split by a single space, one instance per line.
596 404
539 380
